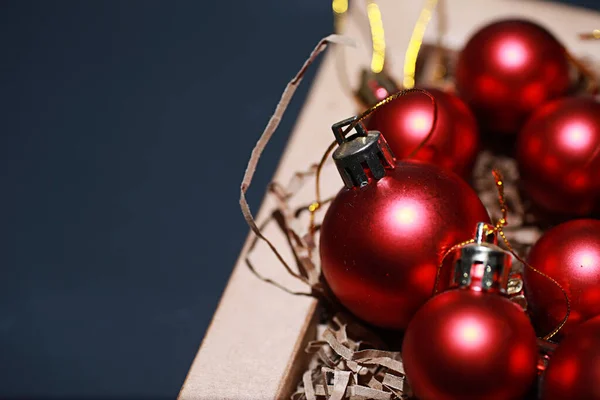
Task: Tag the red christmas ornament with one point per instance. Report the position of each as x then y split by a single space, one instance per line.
574 369
507 70
407 120
559 157
569 253
384 234
472 342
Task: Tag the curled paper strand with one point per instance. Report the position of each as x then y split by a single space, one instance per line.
356 392
264 139
309 390
394 382
340 383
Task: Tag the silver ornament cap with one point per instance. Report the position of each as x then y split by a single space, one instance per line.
482 265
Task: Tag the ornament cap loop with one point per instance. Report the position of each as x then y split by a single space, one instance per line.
362 156
337 129
482 265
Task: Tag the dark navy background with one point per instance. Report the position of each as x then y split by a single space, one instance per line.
125 129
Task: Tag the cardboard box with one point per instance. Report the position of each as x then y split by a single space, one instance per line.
254 346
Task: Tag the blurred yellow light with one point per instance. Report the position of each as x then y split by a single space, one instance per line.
410 60
378 37
340 6
596 33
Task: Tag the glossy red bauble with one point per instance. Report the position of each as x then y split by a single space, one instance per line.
464 344
508 69
381 244
574 369
406 121
569 253
559 157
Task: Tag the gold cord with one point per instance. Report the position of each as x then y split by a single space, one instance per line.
317 203
498 228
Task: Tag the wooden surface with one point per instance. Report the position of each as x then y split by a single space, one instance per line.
251 350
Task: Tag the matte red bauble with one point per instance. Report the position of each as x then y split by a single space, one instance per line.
569 253
470 345
574 369
406 121
507 70
472 342
559 157
384 235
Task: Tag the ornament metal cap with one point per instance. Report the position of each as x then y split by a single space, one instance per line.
362 156
482 266
375 87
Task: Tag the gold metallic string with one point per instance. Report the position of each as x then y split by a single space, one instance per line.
318 203
365 114
502 222
359 119
414 45
498 228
